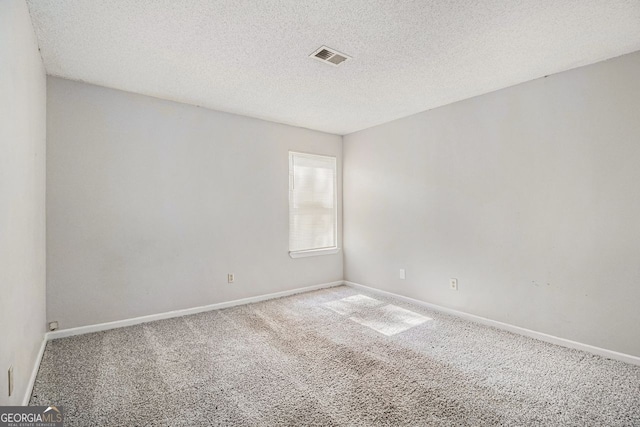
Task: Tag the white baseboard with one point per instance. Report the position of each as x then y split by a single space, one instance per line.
34 373
62 333
627 358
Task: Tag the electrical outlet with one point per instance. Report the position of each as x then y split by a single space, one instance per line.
10 380
403 274
453 284
230 278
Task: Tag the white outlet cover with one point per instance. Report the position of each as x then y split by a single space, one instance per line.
453 284
403 274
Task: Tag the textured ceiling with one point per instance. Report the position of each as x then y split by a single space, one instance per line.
251 57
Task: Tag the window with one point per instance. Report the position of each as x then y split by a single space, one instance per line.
313 218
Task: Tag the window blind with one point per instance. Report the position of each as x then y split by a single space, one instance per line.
312 202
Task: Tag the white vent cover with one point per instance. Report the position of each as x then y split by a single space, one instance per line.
329 56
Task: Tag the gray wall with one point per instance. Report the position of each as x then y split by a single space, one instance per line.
22 198
529 196
150 204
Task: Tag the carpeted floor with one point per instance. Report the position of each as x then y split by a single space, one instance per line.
330 357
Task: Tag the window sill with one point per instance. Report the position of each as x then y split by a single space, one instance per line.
314 252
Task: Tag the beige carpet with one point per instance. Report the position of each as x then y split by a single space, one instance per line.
331 357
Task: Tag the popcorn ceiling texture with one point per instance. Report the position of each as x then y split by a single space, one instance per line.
294 361
250 57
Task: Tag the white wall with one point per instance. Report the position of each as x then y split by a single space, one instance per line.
150 204
529 196
22 198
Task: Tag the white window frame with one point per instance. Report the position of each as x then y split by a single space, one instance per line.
319 251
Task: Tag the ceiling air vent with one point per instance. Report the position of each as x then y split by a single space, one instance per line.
329 56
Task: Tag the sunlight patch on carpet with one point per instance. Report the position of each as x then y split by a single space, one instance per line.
389 319
352 304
